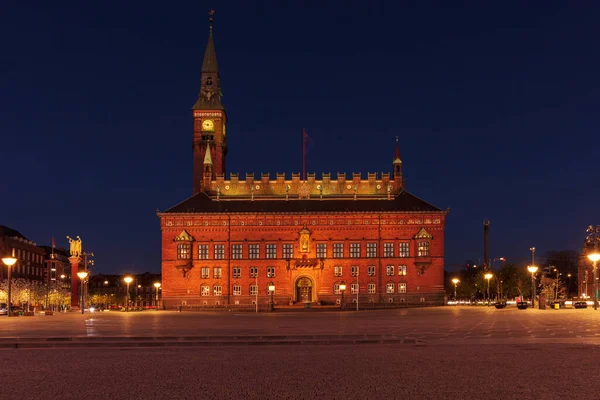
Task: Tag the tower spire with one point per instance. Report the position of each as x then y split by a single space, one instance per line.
397 165
209 97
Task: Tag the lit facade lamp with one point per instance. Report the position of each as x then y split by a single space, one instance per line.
455 281
157 285
488 276
127 280
342 289
82 275
594 257
9 262
533 269
272 292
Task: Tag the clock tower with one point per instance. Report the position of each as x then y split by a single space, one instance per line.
210 120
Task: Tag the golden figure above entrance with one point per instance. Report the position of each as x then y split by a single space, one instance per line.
304 240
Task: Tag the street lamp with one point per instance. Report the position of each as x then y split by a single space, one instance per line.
127 280
82 275
9 262
594 257
455 281
342 289
488 276
533 269
272 291
157 285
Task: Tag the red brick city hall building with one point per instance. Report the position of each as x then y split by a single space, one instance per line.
235 237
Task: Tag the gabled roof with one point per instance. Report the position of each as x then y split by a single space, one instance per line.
6 231
203 203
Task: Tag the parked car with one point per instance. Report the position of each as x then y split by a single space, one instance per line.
522 305
500 304
580 304
3 310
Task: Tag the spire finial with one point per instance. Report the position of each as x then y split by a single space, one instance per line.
396 139
210 19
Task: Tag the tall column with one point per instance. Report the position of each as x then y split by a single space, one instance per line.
75 281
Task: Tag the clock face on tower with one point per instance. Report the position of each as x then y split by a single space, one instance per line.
208 125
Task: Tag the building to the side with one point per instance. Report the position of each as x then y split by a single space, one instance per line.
235 237
30 257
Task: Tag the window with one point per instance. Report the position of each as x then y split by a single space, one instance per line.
288 250
237 272
423 249
219 251
337 271
236 251
389 288
371 288
371 270
390 270
402 288
321 250
338 250
401 269
271 272
183 251
371 250
202 252
254 250
253 290
237 290
217 290
204 272
204 291
354 250
354 288
217 272
404 249
354 270
388 249
336 289
271 251
253 272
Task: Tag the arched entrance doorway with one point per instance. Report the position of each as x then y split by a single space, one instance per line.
304 290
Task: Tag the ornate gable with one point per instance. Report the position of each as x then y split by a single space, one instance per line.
184 236
423 234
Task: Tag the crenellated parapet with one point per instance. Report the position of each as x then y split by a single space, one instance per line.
354 185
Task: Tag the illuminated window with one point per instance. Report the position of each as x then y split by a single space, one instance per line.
219 251
354 250
271 272
401 269
205 291
271 250
337 271
321 250
404 249
217 290
354 270
217 272
237 272
389 288
203 252
371 250
205 272
354 288
402 288
423 249
237 290
236 251
183 251
371 270
390 270
388 249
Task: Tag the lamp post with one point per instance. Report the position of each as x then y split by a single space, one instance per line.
342 289
82 275
9 262
488 276
594 257
271 291
157 285
533 269
455 281
127 280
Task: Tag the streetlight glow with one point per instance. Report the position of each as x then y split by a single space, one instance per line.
532 268
594 257
127 280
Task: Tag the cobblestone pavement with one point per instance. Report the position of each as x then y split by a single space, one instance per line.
433 325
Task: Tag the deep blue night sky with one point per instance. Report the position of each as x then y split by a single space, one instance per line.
496 106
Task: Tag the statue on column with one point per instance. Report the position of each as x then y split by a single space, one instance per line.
75 246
